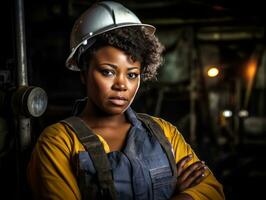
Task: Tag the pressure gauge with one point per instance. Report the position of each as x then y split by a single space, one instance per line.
36 102
29 101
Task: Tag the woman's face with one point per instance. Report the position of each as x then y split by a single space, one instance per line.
112 80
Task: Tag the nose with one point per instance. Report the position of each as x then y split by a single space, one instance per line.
120 83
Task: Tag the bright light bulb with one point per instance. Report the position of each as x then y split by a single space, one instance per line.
213 71
243 113
227 113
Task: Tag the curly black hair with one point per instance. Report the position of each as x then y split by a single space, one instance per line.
135 41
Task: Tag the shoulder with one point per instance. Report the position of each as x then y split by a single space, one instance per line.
54 132
61 136
170 131
180 147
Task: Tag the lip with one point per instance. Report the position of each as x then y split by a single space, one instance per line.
118 100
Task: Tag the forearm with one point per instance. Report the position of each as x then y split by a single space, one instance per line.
182 197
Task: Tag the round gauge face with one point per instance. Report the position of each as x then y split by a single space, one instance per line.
37 102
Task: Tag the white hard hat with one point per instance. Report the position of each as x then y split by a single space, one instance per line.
99 18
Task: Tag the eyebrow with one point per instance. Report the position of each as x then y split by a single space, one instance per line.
115 66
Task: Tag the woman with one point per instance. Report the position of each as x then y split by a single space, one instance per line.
115 52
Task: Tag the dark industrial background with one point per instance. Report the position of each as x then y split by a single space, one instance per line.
222 117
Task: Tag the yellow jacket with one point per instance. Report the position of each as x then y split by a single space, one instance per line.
51 176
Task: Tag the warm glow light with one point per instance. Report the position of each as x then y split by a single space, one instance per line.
251 70
213 71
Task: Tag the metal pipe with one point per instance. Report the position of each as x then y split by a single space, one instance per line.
24 133
21 44
23 136
22 80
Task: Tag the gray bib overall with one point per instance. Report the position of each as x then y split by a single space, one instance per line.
140 171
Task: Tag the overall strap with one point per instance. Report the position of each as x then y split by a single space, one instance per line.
98 156
157 131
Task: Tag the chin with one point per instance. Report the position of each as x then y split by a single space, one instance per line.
115 110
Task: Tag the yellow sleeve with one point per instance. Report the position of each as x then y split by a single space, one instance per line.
209 188
50 174
50 170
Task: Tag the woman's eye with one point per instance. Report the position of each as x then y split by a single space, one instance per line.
133 75
106 72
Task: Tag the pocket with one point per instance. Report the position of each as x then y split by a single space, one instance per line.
163 183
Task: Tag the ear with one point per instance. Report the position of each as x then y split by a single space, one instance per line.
83 77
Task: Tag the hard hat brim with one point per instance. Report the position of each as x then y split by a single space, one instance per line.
71 62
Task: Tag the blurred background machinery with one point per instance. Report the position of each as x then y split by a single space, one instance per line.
211 84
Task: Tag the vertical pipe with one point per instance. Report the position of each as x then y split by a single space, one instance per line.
237 122
22 80
192 99
193 88
23 137
21 44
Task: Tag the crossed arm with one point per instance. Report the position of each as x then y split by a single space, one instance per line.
188 177
195 181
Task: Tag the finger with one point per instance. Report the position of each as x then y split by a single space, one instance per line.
199 178
196 176
180 165
182 186
190 169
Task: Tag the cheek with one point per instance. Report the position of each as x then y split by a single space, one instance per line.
134 87
98 85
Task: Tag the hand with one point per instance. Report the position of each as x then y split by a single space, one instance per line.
189 176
